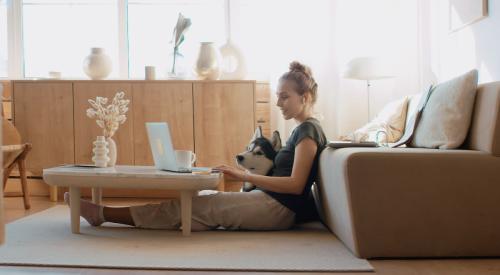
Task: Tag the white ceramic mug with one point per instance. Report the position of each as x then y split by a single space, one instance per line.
185 158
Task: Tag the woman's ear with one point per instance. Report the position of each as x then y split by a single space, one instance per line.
306 98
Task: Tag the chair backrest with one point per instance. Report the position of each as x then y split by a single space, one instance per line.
484 132
10 135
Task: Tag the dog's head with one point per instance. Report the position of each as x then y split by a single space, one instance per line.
260 153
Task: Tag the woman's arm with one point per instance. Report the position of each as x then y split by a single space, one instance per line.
305 152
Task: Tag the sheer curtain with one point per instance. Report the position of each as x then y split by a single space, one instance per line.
271 34
385 28
3 38
326 34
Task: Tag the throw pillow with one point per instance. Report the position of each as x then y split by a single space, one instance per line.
390 121
415 108
446 118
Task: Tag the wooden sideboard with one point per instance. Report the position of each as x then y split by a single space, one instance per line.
215 119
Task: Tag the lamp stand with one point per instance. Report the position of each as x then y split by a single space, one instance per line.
368 98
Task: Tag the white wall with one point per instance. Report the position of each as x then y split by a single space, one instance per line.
385 28
447 54
271 34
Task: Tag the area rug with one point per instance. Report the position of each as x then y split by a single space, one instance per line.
45 239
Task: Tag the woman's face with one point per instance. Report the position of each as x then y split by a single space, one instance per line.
289 101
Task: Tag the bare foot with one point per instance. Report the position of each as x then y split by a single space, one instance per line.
91 212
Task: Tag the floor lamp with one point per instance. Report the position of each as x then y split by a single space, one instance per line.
367 68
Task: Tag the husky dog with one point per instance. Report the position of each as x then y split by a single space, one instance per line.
259 156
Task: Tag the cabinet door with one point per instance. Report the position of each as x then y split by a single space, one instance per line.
223 120
86 129
43 115
162 102
263 108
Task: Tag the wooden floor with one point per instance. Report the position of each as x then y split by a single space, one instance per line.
14 210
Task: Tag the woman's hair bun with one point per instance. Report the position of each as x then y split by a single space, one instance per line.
301 75
297 66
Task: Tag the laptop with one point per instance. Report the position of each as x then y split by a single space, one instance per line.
345 144
163 151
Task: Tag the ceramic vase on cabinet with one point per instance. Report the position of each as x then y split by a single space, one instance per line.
98 64
112 152
207 63
233 64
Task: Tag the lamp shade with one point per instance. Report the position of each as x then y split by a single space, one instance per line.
367 68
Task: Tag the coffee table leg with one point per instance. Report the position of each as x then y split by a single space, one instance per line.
97 195
186 211
74 204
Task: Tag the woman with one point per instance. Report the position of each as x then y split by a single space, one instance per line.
279 199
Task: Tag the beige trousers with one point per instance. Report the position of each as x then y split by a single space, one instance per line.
253 210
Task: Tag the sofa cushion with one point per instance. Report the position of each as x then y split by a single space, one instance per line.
415 108
446 118
484 134
390 120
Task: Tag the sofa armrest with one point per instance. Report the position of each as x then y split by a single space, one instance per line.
412 202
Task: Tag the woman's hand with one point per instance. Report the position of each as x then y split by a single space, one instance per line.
232 173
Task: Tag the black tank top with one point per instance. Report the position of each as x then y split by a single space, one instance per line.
283 164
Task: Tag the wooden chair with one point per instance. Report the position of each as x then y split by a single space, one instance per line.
14 153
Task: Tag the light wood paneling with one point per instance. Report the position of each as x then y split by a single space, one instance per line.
262 115
7 89
86 129
217 124
44 117
7 109
2 223
162 102
262 92
6 98
223 121
263 107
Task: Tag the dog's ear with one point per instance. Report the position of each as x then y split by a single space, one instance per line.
276 141
257 134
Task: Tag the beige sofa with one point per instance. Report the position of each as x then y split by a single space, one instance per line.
415 202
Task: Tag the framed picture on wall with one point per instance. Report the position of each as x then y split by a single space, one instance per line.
465 12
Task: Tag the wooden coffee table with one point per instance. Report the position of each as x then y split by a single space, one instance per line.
135 177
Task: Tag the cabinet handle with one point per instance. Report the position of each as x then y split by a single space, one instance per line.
261 120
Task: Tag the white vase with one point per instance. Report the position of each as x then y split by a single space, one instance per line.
207 63
100 152
112 152
233 65
98 64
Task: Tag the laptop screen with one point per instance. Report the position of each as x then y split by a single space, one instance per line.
161 146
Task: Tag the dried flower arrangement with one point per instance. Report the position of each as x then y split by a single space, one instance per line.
109 117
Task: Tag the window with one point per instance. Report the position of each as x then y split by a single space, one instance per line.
3 38
150 28
58 35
